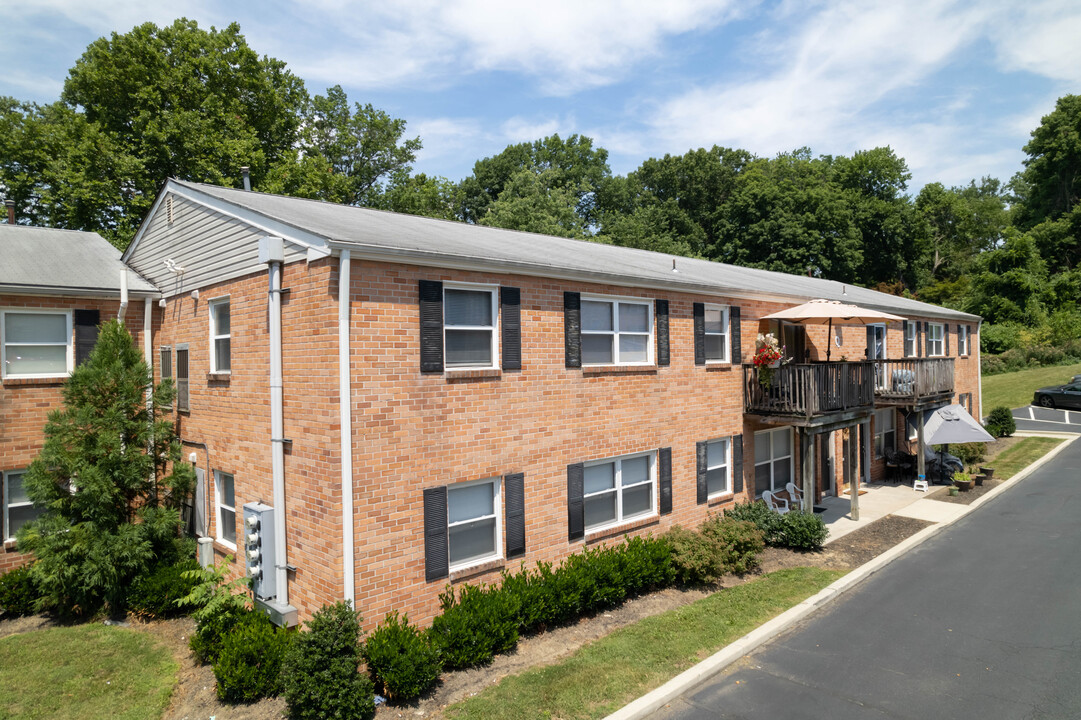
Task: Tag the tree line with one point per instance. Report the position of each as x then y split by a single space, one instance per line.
194 104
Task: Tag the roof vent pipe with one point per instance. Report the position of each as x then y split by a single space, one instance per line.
11 211
247 178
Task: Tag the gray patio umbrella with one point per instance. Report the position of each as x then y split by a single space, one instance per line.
824 312
953 424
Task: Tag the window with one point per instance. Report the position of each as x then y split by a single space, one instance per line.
910 424
910 339
718 462
182 378
166 365
965 401
772 459
219 336
36 344
935 347
18 510
618 490
616 332
962 340
473 522
876 348
716 334
225 494
885 432
469 316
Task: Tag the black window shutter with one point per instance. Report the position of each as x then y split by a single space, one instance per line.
927 339
700 452
86 333
514 487
699 334
946 339
576 509
431 326
870 341
572 329
904 336
968 341
664 457
919 339
737 336
737 463
510 314
436 556
663 357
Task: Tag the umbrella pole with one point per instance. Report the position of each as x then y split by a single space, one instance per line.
829 340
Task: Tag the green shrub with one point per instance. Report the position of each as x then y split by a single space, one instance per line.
19 591
401 658
759 514
216 606
803 531
212 629
696 557
475 625
249 663
646 563
738 541
969 453
1000 422
156 595
528 589
319 673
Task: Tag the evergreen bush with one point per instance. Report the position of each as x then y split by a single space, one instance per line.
156 595
759 514
803 531
401 659
476 624
319 674
738 542
1000 422
249 663
19 591
217 606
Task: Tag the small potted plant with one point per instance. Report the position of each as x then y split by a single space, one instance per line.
978 477
963 481
987 472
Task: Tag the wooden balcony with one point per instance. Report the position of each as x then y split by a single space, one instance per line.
811 393
913 381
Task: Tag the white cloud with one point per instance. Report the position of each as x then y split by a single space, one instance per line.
106 16
1040 37
520 129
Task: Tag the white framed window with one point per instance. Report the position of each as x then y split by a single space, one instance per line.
962 340
935 336
910 339
772 459
18 510
36 343
877 349
718 467
225 503
619 489
183 396
470 313
473 522
716 334
220 336
165 365
885 431
617 332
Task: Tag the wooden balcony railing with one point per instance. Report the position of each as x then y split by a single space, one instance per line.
913 379
809 390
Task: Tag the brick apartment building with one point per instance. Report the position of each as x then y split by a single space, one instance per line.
424 402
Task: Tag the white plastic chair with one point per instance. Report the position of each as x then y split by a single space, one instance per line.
775 503
796 495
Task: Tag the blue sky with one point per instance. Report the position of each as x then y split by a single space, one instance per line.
953 87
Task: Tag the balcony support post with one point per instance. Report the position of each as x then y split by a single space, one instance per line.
807 468
921 463
850 469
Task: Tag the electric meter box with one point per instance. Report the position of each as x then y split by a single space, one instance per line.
258 547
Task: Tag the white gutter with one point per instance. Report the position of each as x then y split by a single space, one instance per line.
123 295
345 398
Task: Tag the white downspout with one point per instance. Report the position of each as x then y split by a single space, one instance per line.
277 441
346 424
979 370
148 324
123 295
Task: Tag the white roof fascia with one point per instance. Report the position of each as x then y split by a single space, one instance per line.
91 293
428 259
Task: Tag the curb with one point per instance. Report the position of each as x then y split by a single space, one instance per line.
655 699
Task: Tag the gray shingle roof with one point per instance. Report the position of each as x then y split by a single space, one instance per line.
41 260
462 244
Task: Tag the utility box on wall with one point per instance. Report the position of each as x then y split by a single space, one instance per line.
259 549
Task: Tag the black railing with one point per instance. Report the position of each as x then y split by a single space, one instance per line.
808 389
913 379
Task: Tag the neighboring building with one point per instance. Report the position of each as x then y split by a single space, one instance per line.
56 286
455 400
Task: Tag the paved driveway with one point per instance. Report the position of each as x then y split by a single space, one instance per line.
982 621
1038 419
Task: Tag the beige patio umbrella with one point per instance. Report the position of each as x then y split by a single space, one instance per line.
822 312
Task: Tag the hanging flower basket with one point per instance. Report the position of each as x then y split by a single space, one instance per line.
767 357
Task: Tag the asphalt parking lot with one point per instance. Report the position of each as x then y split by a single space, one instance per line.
1038 419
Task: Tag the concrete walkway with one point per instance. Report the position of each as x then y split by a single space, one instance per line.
878 501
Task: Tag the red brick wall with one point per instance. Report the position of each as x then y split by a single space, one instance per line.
25 404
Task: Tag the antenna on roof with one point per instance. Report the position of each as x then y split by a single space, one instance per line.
244 171
674 265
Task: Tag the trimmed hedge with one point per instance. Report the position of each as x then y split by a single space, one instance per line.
795 530
249 663
401 658
1000 422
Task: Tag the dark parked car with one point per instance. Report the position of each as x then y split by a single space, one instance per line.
1062 396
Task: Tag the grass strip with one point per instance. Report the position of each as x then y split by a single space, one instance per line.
607 674
1015 389
1018 457
85 672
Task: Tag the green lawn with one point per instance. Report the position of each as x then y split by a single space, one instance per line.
1018 457
607 674
1015 389
83 672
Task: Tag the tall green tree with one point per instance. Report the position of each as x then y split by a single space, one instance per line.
1050 184
109 479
